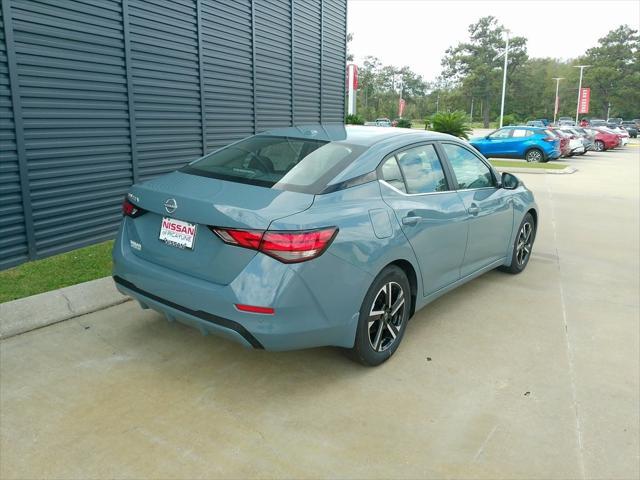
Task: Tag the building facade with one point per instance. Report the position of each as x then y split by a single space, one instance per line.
98 94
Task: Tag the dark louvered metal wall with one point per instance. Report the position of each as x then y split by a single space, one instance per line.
98 94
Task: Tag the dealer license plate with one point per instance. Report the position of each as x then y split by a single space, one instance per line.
177 233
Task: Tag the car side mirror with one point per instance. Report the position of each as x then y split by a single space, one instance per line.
509 181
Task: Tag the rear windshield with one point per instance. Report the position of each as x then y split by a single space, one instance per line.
286 163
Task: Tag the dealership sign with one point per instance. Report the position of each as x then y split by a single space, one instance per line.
585 95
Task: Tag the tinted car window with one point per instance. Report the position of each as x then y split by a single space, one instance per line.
301 165
470 171
392 175
422 170
502 133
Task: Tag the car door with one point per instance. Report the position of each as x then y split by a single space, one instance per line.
497 144
519 141
489 208
432 215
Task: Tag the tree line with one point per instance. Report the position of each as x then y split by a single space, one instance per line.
471 80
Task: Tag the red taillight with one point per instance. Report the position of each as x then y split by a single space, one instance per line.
255 309
286 246
242 238
131 210
296 246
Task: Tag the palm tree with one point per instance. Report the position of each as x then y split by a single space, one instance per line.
453 123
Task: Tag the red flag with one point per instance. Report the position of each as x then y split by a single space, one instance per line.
585 95
401 105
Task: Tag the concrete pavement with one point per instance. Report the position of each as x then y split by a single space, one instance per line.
528 376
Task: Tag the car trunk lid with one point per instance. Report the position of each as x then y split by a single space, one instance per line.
205 202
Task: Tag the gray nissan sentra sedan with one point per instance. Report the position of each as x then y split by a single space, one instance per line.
320 235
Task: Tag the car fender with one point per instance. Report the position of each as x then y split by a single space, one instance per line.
359 242
522 201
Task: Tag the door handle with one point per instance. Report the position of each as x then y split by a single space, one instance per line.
473 209
411 220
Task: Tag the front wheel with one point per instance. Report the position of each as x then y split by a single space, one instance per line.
522 245
599 146
383 317
534 155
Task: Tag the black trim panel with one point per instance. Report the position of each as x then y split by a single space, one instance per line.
206 316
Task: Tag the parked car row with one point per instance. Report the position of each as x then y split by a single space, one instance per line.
615 123
541 144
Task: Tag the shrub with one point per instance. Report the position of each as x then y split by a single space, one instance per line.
509 119
453 123
404 123
354 120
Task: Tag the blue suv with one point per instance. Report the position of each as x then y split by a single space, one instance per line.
534 144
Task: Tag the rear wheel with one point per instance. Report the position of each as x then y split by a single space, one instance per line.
383 317
522 245
534 155
599 146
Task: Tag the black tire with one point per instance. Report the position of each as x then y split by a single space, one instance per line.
599 146
534 155
378 335
522 245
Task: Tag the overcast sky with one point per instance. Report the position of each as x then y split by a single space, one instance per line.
417 32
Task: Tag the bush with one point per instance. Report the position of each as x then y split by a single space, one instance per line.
453 123
354 120
403 123
509 119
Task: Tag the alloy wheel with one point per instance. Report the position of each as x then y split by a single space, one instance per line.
534 156
525 240
386 316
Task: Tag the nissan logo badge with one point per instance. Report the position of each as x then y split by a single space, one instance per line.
170 205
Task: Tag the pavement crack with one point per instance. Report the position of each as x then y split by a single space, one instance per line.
484 444
570 359
66 299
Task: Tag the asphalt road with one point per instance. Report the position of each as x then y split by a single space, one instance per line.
529 376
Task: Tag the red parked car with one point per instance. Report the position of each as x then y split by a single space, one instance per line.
565 148
605 140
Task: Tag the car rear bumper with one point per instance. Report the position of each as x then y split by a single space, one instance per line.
300 319
553 154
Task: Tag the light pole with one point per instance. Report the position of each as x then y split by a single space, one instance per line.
504 74
581 67
557 104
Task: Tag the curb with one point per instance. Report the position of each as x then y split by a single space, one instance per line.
37 311
565 171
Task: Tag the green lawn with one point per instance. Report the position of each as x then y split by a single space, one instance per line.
516 164
55 272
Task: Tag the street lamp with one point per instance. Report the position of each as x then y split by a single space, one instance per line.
581 67
557 104
504 74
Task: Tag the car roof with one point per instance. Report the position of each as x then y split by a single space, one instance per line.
353 134
526 127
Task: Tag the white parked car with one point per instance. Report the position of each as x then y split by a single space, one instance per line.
622 134
576 144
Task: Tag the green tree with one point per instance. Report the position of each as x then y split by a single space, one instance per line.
473 64
614 75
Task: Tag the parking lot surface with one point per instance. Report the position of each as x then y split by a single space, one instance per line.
528 376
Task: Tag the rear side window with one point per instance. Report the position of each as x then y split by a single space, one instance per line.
470 171
422 170
286 163
520 132
392 175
